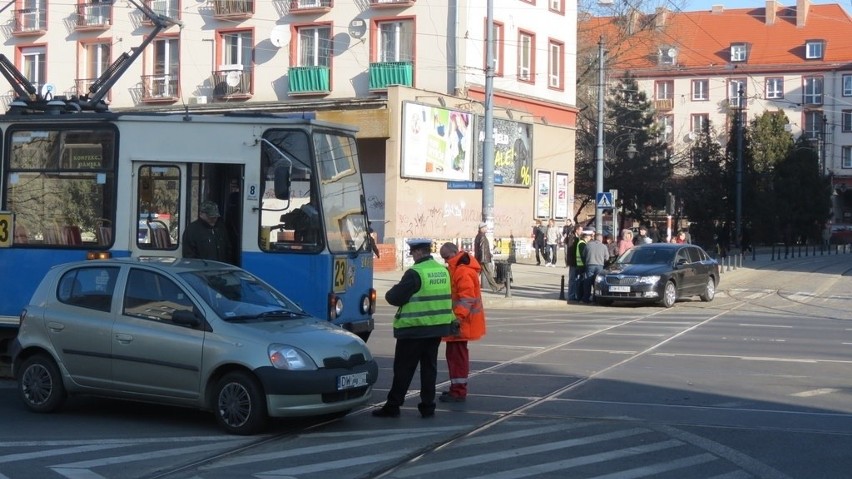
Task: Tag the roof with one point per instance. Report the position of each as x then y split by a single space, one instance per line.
702 40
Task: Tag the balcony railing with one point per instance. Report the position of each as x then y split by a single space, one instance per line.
233 8
231 83
93 16
391 3
664 104
391 73
306 80
310 6
30 21
160 88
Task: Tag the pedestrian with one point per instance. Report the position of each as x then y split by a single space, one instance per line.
552 236
679 238
468 310
206 237
568 240
425 315
482 253
642 237
538 242
573 258
580 254
626 241
611 247
595 257
654 233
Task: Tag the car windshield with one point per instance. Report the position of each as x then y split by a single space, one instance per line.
237 295
646 256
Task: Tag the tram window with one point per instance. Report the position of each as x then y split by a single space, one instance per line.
158 200
61 186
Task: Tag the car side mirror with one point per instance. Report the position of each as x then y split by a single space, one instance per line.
187 318
681 262
282 181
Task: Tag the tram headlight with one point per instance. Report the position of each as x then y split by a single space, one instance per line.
335 306
368 302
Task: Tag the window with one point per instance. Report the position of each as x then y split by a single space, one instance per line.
90 287
61 185
812 90
846 120
664 95
739 52
557 6
498 48
666 124
236 49
158 209
150 295
847 85
774 88
699 123
234 76
737 93
169 8
667 55
166 67
700 90
814 124
526 56
396 41
97 59
846 157
814 49
34 62
314 46
555 65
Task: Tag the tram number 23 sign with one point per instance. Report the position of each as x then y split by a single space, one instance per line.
7 228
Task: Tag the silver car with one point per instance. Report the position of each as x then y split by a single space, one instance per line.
185 332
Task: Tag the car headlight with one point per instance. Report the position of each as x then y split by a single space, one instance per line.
648 279
599 278
287 357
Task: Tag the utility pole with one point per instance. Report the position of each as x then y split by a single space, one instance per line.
488 142
599 151
739 123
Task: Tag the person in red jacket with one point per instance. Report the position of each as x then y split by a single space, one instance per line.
467 307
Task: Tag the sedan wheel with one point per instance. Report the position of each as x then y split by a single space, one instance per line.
40 384
669 295
240 404
709 290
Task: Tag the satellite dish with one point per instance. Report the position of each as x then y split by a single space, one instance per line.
671 52
668 129
280 35
690 136
47 90
233 78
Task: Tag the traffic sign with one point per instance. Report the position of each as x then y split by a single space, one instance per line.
604 200
464 185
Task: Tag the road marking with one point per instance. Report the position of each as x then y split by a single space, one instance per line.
509 346
815 392
643 335
749 325
755 295
757 358
660 468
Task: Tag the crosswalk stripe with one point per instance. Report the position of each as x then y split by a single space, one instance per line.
659 468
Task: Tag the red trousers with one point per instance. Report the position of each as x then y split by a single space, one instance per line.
458 362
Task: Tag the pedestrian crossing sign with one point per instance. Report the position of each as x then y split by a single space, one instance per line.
604 200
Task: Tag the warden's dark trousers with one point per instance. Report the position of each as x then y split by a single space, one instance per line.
408 354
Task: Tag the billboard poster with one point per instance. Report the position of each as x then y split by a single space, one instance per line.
436 143
542 194
561 206
512 152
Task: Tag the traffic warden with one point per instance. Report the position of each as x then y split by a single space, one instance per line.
425 314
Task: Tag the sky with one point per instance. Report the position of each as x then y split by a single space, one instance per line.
693 5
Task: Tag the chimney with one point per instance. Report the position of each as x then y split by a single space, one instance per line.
660 18
802 7
771 10
717 9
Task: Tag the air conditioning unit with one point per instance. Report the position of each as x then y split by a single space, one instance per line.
198 100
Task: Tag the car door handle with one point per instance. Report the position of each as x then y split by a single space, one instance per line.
55 327
123 338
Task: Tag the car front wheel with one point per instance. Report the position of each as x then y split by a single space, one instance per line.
40 384
709 290
669 295
240 404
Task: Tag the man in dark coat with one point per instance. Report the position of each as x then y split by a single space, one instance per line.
206 237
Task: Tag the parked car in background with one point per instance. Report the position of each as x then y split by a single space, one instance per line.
658 273
185 332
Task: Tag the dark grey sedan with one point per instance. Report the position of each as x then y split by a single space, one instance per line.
185 332
658 273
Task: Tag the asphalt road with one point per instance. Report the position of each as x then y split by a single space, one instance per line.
755 384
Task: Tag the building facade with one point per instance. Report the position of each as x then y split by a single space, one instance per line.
409 74
702 66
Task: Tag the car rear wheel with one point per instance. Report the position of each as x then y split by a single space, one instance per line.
240 404
40 384
709 290
669 295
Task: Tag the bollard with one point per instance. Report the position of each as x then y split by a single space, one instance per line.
508 279
753 253
562 288
727 263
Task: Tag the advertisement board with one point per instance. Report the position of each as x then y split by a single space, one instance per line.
436 143
512 152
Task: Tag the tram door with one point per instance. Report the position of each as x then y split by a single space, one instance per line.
222 184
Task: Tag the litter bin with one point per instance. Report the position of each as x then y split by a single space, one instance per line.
502 270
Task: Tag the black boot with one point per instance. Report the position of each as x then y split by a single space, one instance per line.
386 411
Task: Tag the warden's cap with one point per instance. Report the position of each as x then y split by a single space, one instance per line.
420 243
588 232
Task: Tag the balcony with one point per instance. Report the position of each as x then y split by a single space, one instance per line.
392 3
93 17
233 9
167 8
232 82
309 80
391 73
160 88
664 104
299 7
29 21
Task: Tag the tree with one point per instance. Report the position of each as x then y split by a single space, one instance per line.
769 143
703 191
802 194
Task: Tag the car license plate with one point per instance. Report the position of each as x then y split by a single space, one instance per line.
350 381
619 289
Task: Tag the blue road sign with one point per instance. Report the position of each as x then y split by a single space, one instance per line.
604 200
